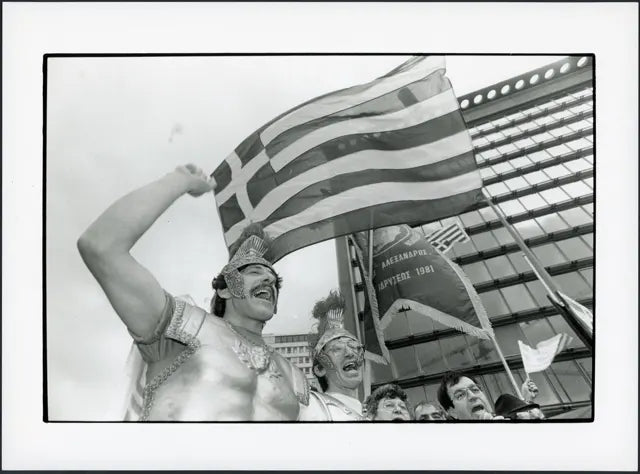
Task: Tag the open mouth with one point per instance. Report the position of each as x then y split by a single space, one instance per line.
350 366
263 293
399 418
477 408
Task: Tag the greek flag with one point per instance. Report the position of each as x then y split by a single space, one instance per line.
394 150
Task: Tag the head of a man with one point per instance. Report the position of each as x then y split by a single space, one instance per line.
513 408
462 397
248 284
388 403
426 411
338 361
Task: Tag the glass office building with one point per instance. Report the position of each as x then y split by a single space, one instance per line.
533 139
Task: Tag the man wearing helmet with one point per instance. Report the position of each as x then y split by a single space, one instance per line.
198 366
338 364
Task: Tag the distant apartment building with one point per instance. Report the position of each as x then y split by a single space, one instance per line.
295 348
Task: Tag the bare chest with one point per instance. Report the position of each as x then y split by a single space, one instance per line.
227 378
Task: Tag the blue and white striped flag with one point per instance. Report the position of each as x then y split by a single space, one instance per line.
443 239
393 151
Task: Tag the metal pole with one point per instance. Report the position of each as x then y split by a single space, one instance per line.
544 277
506 367
353 291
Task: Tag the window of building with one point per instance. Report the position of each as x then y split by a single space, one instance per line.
560 326
588 209
430 357
508 337
578 165
577 189
486 173
431 391
538 156
418 323
574 248
288 350
496 189
557 171
539 293
494 303
416 395
572 380
477 272
551 223
576 216
554 195
536 331
587 274
587 366
535 177
516 183
588 240
549 254
463 248
573 285
456 353
532 201
518 262
405 361
503 236
499 267
528 229
471 218
397 328
484 241
488 214
511 208
483 350
518 298
306 360
381 373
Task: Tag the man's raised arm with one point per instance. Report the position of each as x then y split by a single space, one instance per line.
133 291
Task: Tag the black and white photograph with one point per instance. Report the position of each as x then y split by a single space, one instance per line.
287 243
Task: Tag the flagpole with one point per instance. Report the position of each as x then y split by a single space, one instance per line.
542 275
506 366
353 291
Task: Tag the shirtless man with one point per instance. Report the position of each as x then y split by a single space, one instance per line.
338 364
200 366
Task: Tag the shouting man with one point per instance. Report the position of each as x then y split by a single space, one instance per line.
463 398
338 363
199 366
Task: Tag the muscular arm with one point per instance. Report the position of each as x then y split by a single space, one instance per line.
132 290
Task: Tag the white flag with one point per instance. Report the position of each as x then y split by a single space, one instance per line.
579 311
540 358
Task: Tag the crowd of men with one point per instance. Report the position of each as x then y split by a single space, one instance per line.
214 365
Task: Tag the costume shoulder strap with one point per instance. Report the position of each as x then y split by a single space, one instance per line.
300 385
186 320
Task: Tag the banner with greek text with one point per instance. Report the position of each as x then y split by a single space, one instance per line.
409 273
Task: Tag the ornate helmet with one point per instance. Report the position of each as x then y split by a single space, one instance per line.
252 250
329 313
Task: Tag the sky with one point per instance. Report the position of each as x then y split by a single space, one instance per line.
115 124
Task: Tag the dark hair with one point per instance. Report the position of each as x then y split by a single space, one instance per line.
390 391
219 305
322 380
435 405
449 379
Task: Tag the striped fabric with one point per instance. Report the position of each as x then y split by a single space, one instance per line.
444 238
540 358
394 150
